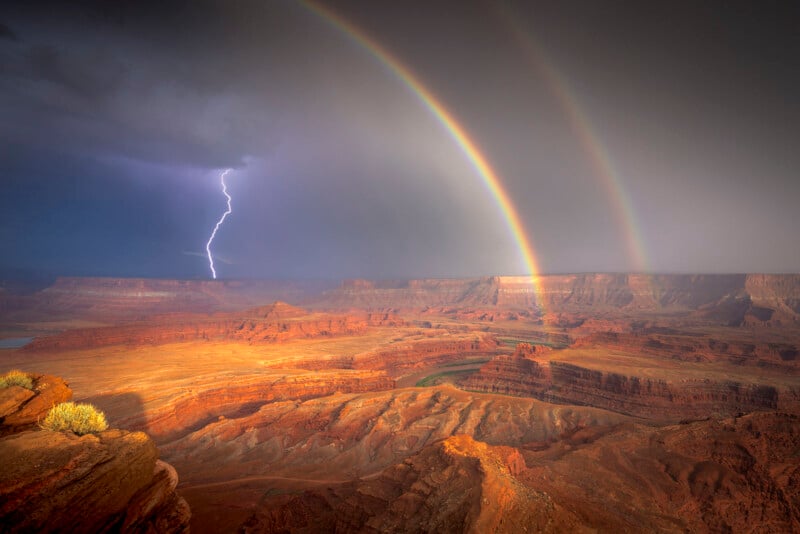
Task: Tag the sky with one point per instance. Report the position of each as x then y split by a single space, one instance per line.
629 136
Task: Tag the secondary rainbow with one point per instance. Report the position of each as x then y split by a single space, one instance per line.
456 131
597 153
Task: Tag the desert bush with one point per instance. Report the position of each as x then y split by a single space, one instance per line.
16 378
79 418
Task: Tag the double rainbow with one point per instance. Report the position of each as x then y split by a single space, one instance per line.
456 131
598 154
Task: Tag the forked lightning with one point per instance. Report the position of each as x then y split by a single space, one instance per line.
219 222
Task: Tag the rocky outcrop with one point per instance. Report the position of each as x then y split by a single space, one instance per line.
343 436
430 352
329 441
732 475
658 399
22 408
458 484
240 396
60 482
455 485
516 374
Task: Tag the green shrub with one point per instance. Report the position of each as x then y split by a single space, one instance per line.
16 378
79 418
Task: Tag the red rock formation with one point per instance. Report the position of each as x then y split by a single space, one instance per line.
436 350
517 374
61 482
338 436
57 482
458 484
732 299
239 396
658 399
726 299
735 475
656 347
22 408
454 485
710 476
269 324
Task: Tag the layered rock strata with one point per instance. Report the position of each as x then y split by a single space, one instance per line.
61 482
22 408
731 475
275 323
112 481
526 373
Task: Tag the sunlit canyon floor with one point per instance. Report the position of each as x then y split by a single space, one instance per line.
607 402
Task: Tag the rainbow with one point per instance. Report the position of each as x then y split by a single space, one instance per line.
597 153
454 129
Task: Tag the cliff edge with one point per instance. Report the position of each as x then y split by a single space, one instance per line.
61 482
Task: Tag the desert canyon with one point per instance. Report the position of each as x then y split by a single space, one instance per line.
572 403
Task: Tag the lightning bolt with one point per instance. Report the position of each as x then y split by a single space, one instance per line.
219 222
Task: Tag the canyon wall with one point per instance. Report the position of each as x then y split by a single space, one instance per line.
268 324
189 411
731 296
530 374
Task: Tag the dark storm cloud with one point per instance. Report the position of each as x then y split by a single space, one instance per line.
199 84
116 117
6 33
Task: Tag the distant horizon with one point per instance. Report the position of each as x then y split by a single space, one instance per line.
44 277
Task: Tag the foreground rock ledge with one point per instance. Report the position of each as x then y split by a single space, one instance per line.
111 481
21 409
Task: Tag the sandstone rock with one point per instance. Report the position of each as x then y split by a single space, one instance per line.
454 485
190 411
60 482
433 351
11 398
275 323
32 406
734 475
157 507
724 299
654 398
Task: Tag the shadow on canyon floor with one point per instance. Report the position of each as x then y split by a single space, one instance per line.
123 410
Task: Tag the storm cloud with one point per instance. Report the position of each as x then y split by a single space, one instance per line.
118 117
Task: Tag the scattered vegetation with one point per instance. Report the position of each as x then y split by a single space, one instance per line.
79 418
16 378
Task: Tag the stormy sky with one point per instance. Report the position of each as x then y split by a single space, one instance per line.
116 119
